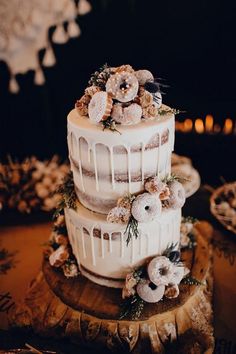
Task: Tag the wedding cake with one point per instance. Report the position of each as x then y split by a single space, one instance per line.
120 248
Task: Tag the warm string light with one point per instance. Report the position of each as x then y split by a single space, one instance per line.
208 126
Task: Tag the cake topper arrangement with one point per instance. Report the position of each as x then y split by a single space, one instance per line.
121 95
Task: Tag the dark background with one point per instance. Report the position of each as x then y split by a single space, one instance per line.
189 44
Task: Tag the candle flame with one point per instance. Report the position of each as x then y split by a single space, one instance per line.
199 126
206 125
228 126
209 123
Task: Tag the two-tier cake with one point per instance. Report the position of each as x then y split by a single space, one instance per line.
128 273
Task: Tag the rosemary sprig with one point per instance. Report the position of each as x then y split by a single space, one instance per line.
68 195
131 229
109 123
189 280
100 77
132 307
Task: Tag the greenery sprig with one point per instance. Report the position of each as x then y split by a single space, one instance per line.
189 280
132 307
131 229
109 123
100 77
68 195
163 111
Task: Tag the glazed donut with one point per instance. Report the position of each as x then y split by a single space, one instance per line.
172 291
149 292
146 207
100 106
160 270
127 115
143 76
123 86
177 195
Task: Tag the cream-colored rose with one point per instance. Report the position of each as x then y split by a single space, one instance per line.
150 111
146 99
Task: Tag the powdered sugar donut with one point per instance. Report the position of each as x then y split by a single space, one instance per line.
127 115
146 207
177 195
123 86
143 76
178 274
149 292
100 106
160 270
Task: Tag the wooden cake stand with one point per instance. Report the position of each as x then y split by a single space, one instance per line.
88 313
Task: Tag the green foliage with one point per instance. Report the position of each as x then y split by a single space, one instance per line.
68 195
131 229
189 280
109 123
100 77
164 111
132 307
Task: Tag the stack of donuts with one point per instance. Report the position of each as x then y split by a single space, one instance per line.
126 96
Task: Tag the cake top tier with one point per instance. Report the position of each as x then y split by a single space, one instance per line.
121 96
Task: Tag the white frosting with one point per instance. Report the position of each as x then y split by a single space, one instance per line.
107 255
102 171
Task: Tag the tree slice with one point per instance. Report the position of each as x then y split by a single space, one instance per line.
88 313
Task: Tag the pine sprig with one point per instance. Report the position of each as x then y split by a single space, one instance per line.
109 123
100 77
68 195
132 307
189 280
131 229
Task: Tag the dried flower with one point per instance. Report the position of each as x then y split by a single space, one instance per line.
58 257
146 98
150 112
91 90
82 108
118 215
125 202
172 291
70 270
153 185
130 283
128 68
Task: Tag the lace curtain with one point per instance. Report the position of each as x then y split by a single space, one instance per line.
24 28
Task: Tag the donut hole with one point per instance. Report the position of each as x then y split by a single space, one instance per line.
163 271
124 86
152 286
147 207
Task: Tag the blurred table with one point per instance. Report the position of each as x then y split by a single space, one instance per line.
20 260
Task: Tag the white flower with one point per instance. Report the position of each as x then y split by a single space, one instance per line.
41 191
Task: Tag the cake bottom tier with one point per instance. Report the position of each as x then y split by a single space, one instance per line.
88 313
101 248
